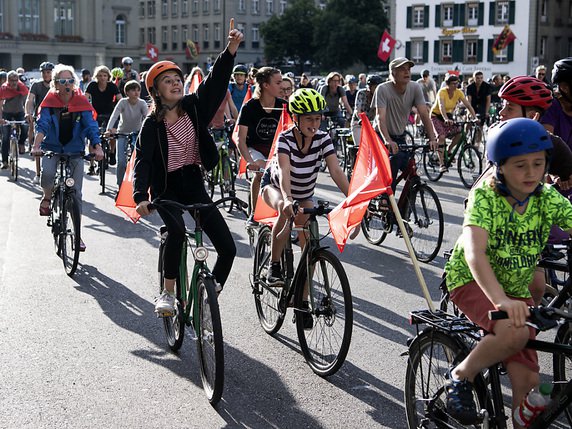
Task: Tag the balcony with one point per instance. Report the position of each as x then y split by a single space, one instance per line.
68 39
34 37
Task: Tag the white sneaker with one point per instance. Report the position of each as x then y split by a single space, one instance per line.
165 305
36 180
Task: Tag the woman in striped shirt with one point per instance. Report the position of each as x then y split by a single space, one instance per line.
292 173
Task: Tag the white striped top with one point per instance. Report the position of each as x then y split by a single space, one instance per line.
183 144
303 167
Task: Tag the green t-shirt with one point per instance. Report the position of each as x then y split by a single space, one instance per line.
515 240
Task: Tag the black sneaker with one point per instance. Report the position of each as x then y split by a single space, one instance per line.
460 402
91 171
274 277
112 159
307 318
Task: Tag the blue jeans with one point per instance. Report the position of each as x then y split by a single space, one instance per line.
398 161
6 133
121 159
49 169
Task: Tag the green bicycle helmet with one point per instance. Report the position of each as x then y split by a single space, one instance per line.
117 73
306 101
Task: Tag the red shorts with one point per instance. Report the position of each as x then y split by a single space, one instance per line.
472 301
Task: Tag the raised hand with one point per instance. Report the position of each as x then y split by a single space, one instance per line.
234 38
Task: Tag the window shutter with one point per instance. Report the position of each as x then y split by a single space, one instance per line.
409 17
438 15
481 13
510 52
408 49
511 11
480 50
456 15
436 53
492 10
490 54
425 51
458 46
425 17
462 16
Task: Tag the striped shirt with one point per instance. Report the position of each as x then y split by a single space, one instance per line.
303 167
182 142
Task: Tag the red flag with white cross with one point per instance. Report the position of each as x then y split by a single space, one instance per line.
152 52
386 45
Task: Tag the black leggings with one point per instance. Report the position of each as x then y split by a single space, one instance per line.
186 186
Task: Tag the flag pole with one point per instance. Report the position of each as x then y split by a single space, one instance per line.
416 267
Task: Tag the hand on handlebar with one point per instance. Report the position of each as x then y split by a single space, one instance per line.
517 311
36 151
97 151
288 208
143 209
393 148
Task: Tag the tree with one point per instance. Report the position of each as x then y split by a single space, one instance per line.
291 36
348 32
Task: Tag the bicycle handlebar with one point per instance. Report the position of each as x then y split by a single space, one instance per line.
71 155
157 202
321 209
15 122
544 318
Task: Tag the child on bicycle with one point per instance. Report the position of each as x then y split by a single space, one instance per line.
506 225
292 174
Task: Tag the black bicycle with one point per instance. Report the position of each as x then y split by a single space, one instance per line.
104 163
64 219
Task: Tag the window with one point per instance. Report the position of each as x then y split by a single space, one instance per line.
184 33
195 6
241 27
174 37
241 6
471 51
184 7
164 38
472 14
120 30
447 15
255 7
142 36
151 36
417 51
29 16
206 36
447 51
174 8
418 16
269 7
501 12
542 48
151 10
206 6
142 10
543 10
216 35
216 6
164 8
283 5
255 36
501 56
63 18
195 33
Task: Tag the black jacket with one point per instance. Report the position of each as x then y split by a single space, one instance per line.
152 148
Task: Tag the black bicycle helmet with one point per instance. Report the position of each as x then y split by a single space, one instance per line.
562 71
46 65
240 69
373 79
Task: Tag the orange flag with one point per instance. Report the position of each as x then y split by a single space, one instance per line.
242 163
195 82
264 213
124 201
371 177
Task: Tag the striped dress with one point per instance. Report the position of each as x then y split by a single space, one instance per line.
303 167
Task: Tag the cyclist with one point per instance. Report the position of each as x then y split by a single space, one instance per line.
130 112
13 95
292 174
335 95
173 142
442 115
351 90
65 120
364 98
504 230
558 118
257 122
287 87
103 94
85 79
128 74
37 94
239 86
393 101
428 87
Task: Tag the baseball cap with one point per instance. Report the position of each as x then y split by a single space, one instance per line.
400 61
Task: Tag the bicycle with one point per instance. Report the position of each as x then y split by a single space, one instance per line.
64 219
329 302
196 303
223 174
469 162
14 148
419 207
446 341
103 164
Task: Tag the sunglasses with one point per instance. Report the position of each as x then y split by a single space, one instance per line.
64 81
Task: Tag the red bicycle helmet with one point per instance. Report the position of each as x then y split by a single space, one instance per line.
527 91
157 69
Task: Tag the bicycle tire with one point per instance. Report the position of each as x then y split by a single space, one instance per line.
562 365
266 299
14 159
431 165
424 217
431 355
469 165
174 325
55 219
227 183
377 225
70 235
102 167
340 148
325 346
210 344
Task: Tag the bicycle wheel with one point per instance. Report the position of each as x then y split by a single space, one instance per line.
340 151
431 165
14 159
424 222
102 167
325 345
562 365
431 355
378 224
174 325
227 184
70 235
469 165
55 219
209 340
266 299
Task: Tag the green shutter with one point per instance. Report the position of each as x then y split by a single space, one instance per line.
436 53
456 15
480 50
425 51
510 52
481 13
409 17
492 10
438 15
458 46
511 11
425 17
462 16
408 49
490 54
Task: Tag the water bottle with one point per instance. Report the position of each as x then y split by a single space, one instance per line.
533 404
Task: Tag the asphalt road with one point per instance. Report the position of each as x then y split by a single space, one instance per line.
88 351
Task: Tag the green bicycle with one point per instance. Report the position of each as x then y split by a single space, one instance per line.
223 175
196 303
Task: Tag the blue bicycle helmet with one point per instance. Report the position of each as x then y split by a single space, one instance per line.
514 137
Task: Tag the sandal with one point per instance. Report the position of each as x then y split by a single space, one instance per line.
45 207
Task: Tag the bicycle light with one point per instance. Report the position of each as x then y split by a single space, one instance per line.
70 182
201 254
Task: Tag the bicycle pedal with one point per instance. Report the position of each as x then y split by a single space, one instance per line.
164 314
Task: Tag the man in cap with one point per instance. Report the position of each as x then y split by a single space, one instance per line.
128 73
428 87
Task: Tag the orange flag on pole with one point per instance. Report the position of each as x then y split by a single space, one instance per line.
242 163
124 201
195 82
371 177
263 212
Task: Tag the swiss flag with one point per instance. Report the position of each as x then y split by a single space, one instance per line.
385 46
152 52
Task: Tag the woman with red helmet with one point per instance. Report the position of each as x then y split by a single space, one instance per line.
558 118
173 143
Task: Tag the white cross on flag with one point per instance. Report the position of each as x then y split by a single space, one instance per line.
152 52
385 46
